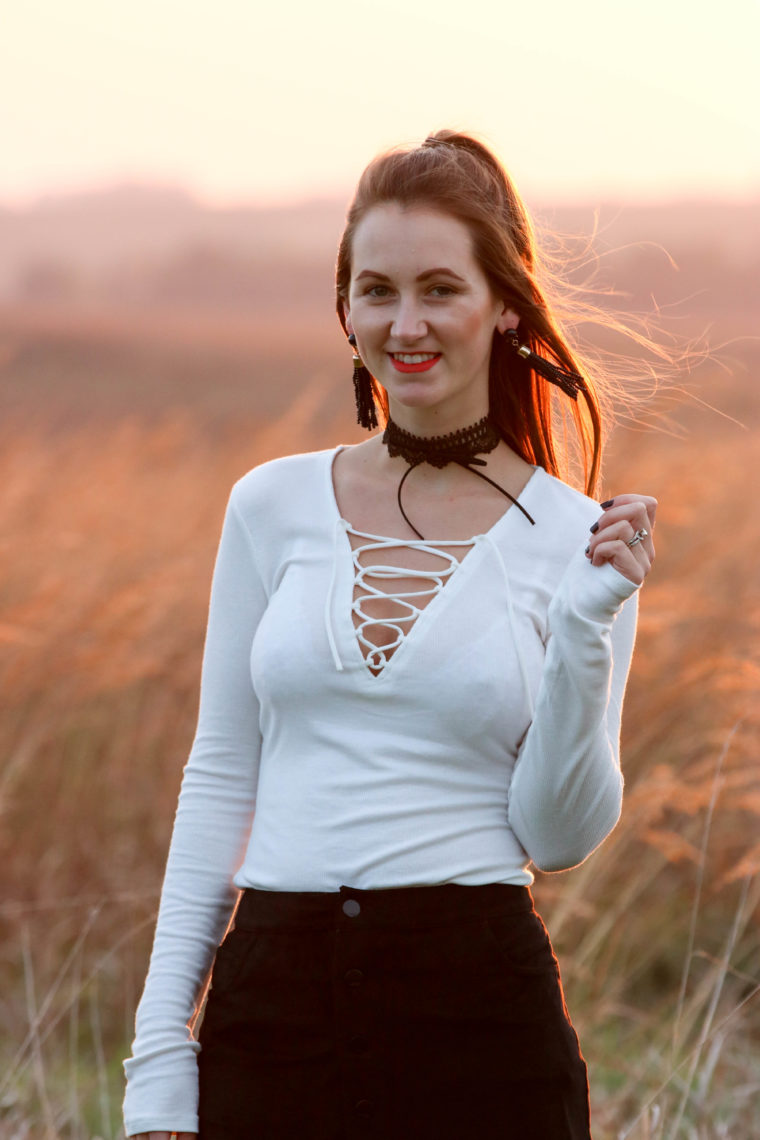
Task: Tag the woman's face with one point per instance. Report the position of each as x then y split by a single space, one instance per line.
423 314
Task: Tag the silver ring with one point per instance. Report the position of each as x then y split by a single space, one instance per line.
638 537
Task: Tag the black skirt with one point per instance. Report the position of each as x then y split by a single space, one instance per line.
417 1013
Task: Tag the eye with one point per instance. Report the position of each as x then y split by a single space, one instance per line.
443 291
379 291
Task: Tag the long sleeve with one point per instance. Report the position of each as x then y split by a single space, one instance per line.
211 826
567 785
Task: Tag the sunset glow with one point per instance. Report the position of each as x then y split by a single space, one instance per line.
244 102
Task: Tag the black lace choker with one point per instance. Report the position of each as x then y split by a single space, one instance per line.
460 447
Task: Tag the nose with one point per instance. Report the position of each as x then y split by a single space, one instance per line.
408 324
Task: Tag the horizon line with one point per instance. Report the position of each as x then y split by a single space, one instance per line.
44 199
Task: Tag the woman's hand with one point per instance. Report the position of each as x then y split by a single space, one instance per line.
624 517
164 1136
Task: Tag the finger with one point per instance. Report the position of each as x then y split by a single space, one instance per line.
649 502
638 513
635 522
164 1136
632 562
632 518
635 512
625 530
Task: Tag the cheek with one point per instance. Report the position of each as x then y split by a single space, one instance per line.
368 323
473 325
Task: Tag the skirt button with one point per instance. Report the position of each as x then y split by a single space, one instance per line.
364 1108
351 908
353 977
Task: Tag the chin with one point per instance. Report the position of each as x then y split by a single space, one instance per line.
416 390
415 403
421 394
415 399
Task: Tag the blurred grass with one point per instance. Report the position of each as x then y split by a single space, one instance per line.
116 463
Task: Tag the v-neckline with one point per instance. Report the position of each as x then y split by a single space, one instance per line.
451 587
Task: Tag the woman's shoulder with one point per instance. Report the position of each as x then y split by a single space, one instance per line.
563 515
569 505
290 477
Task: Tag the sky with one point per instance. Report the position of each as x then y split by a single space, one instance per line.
241 101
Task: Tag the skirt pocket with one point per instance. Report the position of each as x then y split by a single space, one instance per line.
231 957
522 942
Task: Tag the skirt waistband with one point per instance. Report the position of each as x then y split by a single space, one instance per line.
408 907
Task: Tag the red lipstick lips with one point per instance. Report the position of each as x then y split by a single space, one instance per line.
423 366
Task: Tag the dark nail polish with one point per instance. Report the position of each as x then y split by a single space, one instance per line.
608 503
594 528
587 549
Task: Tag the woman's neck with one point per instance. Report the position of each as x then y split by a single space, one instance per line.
427 422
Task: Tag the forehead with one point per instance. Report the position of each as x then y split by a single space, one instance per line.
394 239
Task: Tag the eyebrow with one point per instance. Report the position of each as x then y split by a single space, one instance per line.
422 276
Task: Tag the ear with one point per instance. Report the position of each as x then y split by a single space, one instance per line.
508 319
347 315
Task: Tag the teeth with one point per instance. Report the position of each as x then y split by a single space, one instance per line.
416 358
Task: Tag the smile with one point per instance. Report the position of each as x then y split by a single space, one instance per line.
414 361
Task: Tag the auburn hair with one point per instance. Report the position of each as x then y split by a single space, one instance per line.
458 175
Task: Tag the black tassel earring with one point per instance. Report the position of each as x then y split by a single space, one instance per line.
366 414
570 382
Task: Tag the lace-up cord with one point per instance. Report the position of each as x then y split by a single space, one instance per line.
378 656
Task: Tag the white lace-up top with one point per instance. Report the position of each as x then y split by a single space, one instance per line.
430 582
476 733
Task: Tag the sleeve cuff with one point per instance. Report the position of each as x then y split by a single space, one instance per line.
162 1097
593 592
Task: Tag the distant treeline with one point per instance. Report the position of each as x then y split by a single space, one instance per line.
143 246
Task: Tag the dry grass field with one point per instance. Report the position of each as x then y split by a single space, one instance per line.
116 458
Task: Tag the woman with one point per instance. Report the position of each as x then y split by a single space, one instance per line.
418 687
